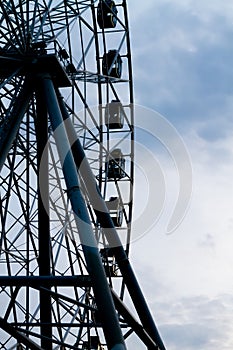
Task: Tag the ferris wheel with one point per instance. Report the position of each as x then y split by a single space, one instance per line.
66 182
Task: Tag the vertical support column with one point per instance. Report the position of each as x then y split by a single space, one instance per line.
111 234
43 218
104 301
28 171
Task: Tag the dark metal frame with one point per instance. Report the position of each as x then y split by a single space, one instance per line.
35 73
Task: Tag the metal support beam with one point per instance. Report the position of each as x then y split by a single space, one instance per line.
44 258
110 231
133 323
19 336
38 281
111 327
10 126
57 296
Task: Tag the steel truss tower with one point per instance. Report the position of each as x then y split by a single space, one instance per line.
66 183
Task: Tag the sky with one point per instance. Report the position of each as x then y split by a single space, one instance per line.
183 82
182 63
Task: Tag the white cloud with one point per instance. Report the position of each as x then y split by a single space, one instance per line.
199 322
182 53
192 268
182 58
200 249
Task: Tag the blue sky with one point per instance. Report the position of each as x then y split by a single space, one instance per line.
182 61
182 56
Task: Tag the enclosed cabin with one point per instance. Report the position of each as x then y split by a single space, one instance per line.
116 165
64 56
115 210
109 262
114 115
107 14
112 64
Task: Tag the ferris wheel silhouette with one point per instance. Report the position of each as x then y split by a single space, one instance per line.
66 183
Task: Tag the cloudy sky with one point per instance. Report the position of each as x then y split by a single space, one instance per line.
182 59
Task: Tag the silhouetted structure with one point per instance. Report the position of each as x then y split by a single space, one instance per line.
66 178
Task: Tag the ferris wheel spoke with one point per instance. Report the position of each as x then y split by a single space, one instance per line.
2 17
11 123
53 21
7 42
30 22
11 26
18 23
43 10
6 81
85 51
88 111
